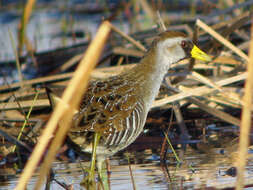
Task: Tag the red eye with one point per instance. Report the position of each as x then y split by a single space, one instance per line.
184 44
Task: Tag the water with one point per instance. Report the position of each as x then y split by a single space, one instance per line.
197 170
49 28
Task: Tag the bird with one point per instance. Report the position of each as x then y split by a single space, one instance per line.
114 110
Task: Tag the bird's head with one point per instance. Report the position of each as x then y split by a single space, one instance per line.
174 46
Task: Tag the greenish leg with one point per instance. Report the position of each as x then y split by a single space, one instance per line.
94 151
102 172
89 181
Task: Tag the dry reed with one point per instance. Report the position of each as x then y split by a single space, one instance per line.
199 91
64 112
25 19
246 120
218 37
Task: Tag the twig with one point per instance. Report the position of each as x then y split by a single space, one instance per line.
37 81
205 80
24 104
215 86
60 77
198 91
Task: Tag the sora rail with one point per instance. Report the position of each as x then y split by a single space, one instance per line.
116 108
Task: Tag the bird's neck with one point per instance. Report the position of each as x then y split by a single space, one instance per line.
150 73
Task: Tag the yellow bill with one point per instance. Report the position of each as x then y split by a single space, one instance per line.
199 54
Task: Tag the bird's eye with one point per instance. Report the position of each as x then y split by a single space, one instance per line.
184 44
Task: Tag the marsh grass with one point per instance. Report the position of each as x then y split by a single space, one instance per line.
80 79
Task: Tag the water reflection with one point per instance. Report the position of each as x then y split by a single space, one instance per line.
197 170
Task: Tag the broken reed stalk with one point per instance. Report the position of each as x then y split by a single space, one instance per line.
246 119
205 80
218 37
199 91
64 112
97 73
46 79
212 84
24 105
110 71
24 21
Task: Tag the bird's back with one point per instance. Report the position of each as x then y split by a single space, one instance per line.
113 108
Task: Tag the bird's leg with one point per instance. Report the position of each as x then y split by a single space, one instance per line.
89 181
102 172
93 158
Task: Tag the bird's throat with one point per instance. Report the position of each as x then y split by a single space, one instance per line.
149 74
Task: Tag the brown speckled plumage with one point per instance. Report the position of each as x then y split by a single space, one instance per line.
117 107
111 107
